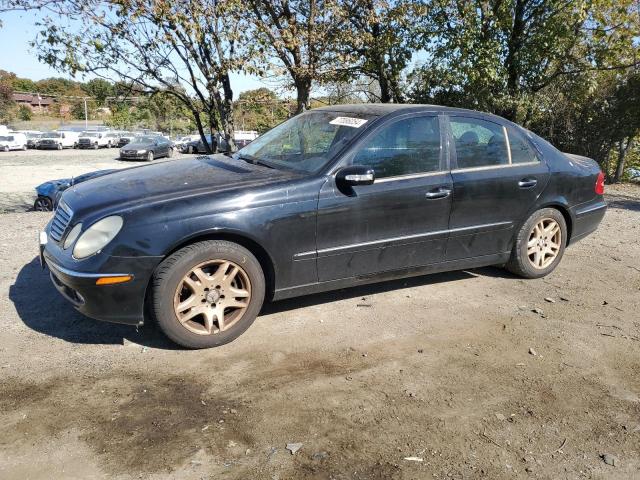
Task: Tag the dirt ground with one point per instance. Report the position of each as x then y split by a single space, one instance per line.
445 376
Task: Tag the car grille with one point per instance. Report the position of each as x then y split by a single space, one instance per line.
84 141
48 142
61 221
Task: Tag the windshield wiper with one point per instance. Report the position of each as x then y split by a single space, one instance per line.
254 160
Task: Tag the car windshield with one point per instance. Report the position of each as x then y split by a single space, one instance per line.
4 139
145 139
306 142
89 134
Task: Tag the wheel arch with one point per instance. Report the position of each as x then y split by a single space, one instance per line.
563 208
264 258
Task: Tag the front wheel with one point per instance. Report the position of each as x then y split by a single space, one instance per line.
170 153
5 148
208 293
150 157
59 146
539 245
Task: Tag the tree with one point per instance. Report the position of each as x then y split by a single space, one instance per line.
156 45
99 89
297 38
260 110
379 41
498 55
24 113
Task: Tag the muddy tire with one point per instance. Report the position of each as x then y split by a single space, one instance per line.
539 245
207 294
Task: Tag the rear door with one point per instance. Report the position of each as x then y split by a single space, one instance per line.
401 220
497 177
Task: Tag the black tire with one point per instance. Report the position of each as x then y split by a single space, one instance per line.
24 148
43 204
150 157
170 153
520 264
5 148
173 269
59 146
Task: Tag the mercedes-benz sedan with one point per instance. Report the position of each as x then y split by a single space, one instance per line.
334 197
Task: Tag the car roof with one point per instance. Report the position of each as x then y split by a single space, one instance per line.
384 109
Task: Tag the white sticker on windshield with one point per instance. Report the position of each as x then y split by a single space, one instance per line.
348 122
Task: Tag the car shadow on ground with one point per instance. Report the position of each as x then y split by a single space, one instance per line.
624 202
44 310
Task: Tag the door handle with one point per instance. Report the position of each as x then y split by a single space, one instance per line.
438 193
527 183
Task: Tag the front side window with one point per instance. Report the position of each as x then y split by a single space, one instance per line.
478 143
405 147
306 142
521 149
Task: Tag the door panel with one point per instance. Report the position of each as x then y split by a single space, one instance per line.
492 198
385 226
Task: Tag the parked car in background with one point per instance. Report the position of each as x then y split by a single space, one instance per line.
113 138
242 138
125 138
334 197
13 141
94 140
33 139
198 146
48 193
58 140
147 148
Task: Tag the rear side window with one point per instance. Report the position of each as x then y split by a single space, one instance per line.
405 147
521 149
478 143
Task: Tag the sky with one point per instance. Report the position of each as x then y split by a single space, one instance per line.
18 29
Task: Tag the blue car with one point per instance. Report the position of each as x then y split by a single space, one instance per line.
49 192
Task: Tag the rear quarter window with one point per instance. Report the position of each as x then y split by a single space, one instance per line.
521 149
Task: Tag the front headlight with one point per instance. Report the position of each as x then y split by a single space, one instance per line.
97 236
72 236
141 151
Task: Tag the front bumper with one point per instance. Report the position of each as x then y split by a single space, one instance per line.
133 156
118 303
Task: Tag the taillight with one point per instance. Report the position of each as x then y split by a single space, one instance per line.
600 184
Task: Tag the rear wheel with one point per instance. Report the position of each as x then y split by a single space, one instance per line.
5 148
207 294
539 245
59 146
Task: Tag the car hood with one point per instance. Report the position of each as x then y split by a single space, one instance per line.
141 146
168 180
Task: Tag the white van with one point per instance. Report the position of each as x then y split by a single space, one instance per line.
58 140
94 140
13 141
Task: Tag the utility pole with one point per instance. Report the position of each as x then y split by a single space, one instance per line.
86 118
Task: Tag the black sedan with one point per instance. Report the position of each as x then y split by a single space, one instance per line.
334 197
147 148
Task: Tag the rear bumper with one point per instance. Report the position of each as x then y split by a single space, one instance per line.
586 218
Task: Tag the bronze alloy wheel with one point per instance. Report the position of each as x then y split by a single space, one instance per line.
212 297
545 241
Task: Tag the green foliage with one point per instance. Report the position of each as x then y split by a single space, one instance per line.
99 89
24 113
260 110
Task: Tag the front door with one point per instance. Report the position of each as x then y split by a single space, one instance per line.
497 176
401 220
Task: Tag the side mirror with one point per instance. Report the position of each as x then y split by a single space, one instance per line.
355 175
